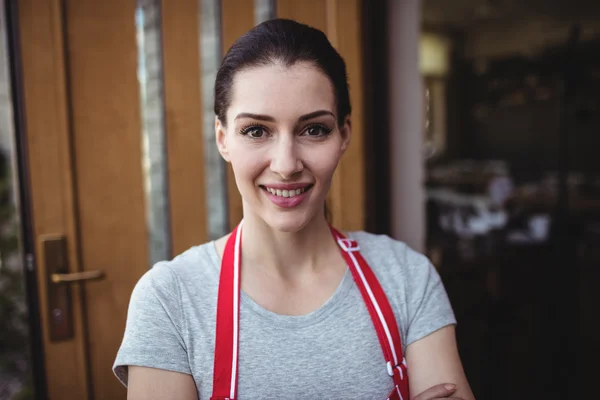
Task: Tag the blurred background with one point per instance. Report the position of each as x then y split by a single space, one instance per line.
476 141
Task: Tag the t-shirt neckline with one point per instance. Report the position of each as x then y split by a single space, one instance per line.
289 321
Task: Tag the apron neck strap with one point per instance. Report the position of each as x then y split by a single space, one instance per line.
377 303
228 307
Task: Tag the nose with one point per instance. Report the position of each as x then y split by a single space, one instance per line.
285 160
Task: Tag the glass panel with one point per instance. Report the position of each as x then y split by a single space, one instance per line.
15 367
154 160
211 54
513 191
264 10
210 59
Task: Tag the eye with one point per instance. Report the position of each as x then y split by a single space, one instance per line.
317 130
253 131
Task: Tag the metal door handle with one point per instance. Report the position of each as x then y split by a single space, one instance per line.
77 276
59 307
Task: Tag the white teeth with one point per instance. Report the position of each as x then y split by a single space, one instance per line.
285 193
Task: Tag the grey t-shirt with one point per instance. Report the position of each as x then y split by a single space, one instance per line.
330 353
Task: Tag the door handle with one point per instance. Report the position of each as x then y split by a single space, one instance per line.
58 295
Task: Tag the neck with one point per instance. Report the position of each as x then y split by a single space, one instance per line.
287 254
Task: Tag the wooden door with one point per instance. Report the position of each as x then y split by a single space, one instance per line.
83 134
83 129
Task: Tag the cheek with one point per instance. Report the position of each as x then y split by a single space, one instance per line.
322 161
247 162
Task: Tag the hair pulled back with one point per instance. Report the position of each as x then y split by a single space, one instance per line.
286 42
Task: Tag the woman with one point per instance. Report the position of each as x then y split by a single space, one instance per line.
318 315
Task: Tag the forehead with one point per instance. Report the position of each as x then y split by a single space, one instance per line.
282 92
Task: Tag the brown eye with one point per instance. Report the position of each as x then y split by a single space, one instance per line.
253 132
317 131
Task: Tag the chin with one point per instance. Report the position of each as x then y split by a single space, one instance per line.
289 222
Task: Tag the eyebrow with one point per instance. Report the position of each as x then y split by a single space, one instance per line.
315 115
268 118
255 116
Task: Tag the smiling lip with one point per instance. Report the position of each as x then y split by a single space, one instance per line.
287 202
287 186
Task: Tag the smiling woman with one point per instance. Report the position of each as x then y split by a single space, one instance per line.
314 313
276 143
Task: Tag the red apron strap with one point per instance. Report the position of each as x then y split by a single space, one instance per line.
380 310
228 306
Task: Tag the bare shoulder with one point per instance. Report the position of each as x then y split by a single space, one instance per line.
153 384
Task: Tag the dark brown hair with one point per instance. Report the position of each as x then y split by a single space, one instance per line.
287 42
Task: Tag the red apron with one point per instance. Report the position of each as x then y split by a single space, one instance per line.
228 308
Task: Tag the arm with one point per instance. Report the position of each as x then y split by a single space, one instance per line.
157 384
153 361
434 360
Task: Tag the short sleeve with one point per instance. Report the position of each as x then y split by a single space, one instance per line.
153 333
429 308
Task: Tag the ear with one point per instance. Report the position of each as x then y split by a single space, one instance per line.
346 132
221 139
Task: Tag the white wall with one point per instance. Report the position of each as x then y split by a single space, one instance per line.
406 124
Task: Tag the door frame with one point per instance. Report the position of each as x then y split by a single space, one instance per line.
26 237
43 106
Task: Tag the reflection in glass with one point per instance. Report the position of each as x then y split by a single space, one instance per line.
210 59
154 156
15 367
